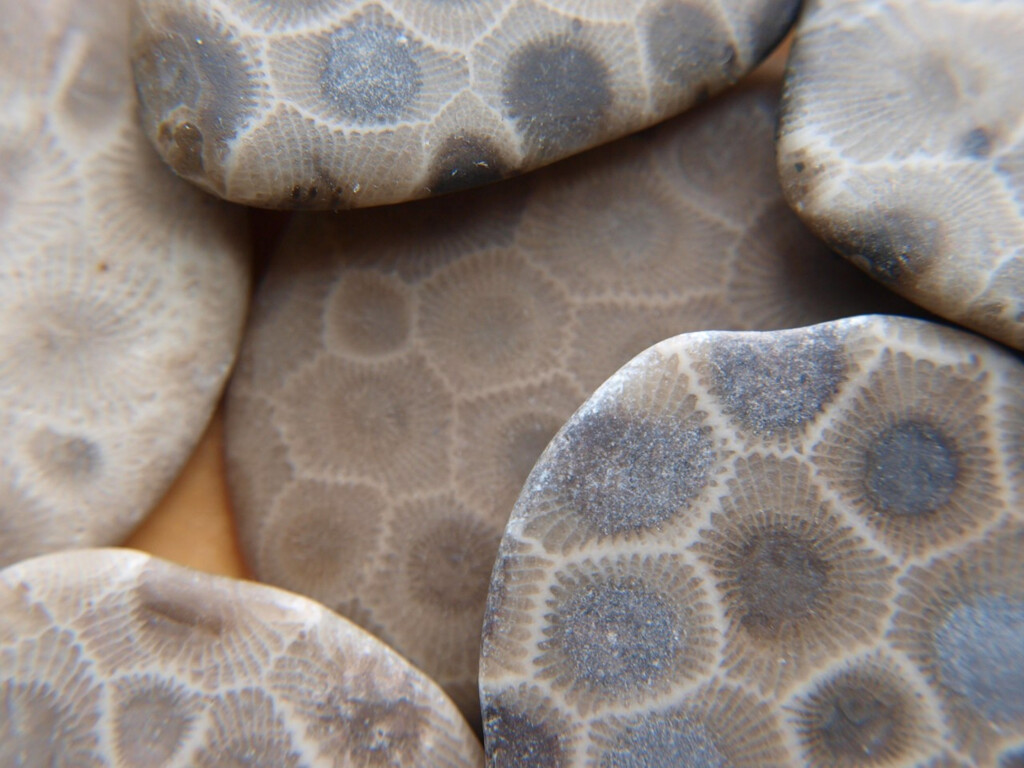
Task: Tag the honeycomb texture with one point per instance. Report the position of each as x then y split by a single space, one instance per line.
112 658
404 367
902 144
803 549
123 290
349 103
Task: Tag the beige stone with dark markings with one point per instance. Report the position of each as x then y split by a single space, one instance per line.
122 289
790 548
902 144
350 103
112 658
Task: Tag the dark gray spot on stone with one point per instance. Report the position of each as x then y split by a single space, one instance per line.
665 741
152 723
858 722
688 46
558 93
618 634
778 382
892 247
167 76
976 143
979 647
196 87
464 162
68 457
911 469
625 474
861 715
773 21
370 73
781 580
516 740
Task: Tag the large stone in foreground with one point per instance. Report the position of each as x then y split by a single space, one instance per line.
114 658
349 103
405 366
902 144
771 549
123 289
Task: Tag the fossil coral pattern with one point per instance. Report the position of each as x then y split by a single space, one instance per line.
404 367
348 103
111 658
820 568
122 289
902 143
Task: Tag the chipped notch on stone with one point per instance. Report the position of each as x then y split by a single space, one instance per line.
204 671
239 96
843 611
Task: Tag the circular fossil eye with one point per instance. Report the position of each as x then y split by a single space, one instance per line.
369 73
621 630
634 460
777 383
465 162
798 585
487 317
153 718
429 589
690 47
321 537
911 452
863 714
911 469
367 314
558 92
389 422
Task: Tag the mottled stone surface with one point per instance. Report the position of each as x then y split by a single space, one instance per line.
113 658
817 568
404 367
122 288
902 144
350 103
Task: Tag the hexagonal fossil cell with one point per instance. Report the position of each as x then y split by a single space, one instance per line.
348 103
114 658
898 113
405 366
122 292
829 576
